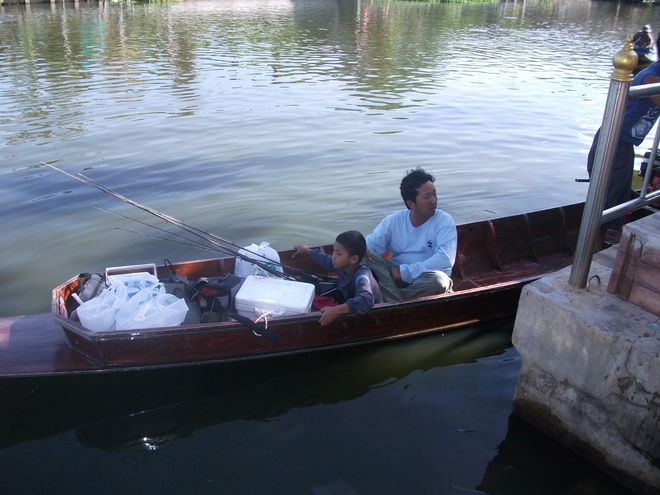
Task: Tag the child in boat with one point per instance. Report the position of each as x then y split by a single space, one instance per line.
358 289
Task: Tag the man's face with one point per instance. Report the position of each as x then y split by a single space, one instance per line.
426 201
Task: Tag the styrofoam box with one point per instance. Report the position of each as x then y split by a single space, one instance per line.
273 296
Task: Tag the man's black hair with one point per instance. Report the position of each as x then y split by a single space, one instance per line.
354 243
412 181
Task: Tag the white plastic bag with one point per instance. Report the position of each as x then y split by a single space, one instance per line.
262 254
151 307
134 282
98 314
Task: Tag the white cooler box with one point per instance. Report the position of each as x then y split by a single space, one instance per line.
273 296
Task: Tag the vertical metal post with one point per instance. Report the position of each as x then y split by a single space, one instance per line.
624 61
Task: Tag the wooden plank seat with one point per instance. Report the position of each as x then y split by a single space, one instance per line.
498 250
572 218
549 234
511 242
473 258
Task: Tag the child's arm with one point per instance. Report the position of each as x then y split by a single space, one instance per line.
321 259
330 313
362 302
300 249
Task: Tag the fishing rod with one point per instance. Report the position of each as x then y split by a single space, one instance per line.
183 240
191 244
196 244
188 228
213 239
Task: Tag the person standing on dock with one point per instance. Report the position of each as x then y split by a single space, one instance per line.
640 116
421 239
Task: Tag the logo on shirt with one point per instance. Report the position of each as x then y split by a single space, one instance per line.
429 244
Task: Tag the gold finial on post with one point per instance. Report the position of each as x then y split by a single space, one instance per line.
624 62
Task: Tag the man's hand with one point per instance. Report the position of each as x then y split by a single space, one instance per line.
395 274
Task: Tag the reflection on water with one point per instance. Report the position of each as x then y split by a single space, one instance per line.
526 462
429 415
258 390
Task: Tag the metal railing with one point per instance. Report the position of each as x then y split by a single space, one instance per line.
624 63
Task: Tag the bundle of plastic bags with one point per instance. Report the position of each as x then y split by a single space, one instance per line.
134 301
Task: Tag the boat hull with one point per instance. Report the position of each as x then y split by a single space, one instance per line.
229 341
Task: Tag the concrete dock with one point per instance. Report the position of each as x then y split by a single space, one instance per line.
590 374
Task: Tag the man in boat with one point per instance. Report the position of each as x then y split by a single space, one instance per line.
640 116
642 40
421 240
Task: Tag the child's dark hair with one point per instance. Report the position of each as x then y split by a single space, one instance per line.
354 243
413 180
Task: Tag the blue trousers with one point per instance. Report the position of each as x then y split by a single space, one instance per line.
620 184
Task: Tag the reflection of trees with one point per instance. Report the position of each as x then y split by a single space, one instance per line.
45 65
384 55
380 51
85 53
74 55
395 49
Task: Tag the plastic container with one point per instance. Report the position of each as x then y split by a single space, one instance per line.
273 297
262 254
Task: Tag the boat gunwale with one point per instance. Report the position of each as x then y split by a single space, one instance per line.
213 327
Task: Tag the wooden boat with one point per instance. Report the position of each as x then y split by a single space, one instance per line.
645 57
495 258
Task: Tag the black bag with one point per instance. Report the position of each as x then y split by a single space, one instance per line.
90 285
179 286
217 294
328 289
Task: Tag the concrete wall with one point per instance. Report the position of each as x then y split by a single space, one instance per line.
591 373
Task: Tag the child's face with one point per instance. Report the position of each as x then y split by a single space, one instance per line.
340 257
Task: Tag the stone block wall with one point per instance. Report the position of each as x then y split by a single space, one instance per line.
636 273
591 360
